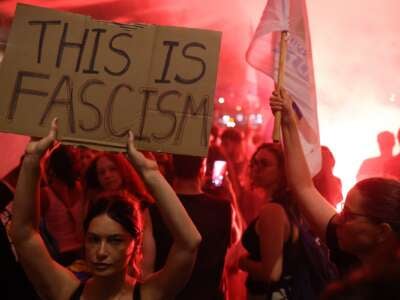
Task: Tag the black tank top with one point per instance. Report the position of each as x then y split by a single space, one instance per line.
78 292
251 242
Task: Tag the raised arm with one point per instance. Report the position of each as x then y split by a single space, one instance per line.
313 205
50 280
177 270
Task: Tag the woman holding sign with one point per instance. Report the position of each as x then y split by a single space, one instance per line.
112 238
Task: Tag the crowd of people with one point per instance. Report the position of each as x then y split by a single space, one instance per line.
84 224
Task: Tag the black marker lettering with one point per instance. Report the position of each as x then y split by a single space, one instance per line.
62 101
171 45
169 113
19 90
65 44
109 110
91 69
203 64
147 92
189 109
120 52
42 34
83 100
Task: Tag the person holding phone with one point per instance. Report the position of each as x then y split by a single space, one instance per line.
218 172
112 237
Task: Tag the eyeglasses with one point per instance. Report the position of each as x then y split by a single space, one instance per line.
348 215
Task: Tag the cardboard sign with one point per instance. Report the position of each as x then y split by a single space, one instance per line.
102 79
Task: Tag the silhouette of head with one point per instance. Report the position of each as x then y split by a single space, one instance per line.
386 142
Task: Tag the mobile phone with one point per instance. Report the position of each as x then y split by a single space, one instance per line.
218 172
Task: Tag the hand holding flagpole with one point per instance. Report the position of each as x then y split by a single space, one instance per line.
295 60
276 134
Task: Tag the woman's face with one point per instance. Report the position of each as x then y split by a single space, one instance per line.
108 246
108 174
86 156
264 169
357 232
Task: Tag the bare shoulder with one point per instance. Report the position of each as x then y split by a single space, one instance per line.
272 210
272 216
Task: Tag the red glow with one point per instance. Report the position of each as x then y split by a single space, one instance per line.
356 60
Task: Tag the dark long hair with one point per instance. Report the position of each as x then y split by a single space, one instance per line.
131 181
123 209
61 164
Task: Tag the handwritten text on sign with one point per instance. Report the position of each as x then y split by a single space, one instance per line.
102 79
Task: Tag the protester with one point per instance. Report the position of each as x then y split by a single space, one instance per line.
112 237
232 150
275 263
375 166
212 215
380 282
86 155
109 172
62 205
214 150
392 165
164 162
325 181
13 280
216 182
367 229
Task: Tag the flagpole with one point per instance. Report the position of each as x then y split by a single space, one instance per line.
276 134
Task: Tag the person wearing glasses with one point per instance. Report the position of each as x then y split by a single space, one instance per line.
113 234
368 228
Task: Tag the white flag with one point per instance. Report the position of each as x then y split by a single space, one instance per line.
263 54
